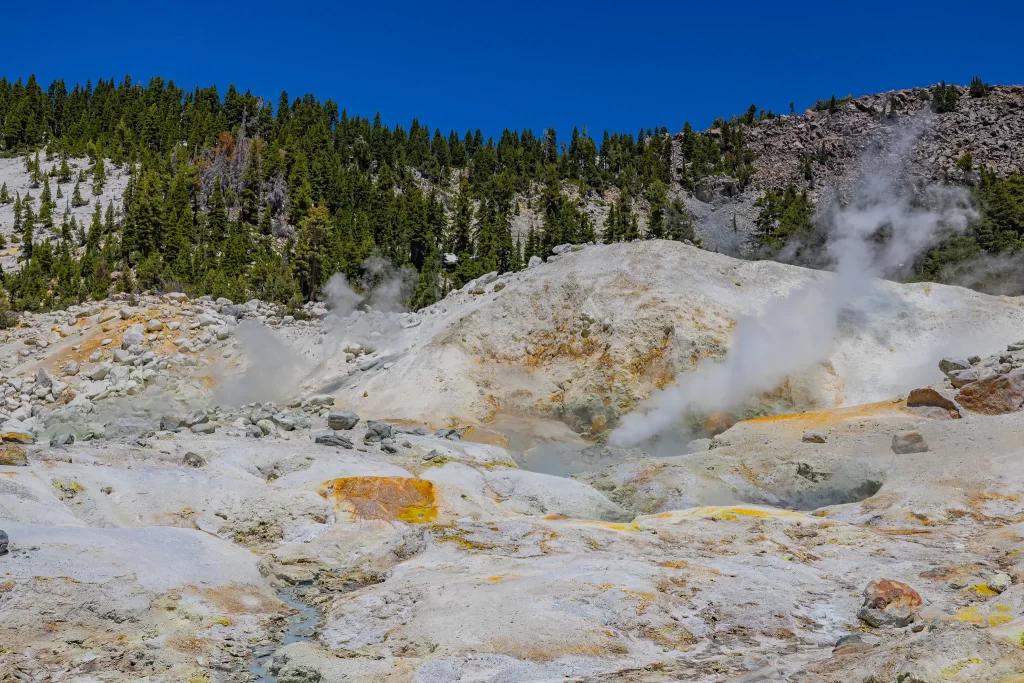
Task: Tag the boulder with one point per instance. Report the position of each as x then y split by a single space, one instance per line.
342 419
193 460
952 363
71 368
4 541
335 440
133 336
12 455
889 603
961 378
908 442
929 398
204 428
534 262
170 423
253 432
813 437
43 378
378 431
99 372
154 325
995 395
196 417
266 426
62 440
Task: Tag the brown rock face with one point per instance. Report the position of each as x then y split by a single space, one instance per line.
995 395
929 398
886 594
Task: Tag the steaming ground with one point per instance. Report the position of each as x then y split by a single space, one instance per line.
587 337
214 466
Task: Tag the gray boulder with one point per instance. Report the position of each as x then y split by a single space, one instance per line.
4 541
193 460
534 262
71 368
335 440
204 428
378 431
133 336
62 440
169 423
813 437
908 442
952 363
253 432
961 378
342 419
43 378
196 417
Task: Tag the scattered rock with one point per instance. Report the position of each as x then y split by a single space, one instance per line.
929 398
961 378
889 603
266 426
388 446
377 431
62 440
99 372
13 455
814 437
999 582
336 440
169 423
4 542
204 428
342 419
133 336
994 395
953 363
534 262
193 460
253 432
908 442
71 368
196 417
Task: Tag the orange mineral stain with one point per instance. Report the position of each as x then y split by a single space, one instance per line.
385 498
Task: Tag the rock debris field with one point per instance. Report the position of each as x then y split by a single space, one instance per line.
207 490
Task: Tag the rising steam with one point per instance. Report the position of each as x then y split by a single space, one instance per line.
879 233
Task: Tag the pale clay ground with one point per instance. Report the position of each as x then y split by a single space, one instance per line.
444 562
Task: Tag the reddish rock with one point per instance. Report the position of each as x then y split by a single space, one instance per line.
929 398
995 395
886 593
889 603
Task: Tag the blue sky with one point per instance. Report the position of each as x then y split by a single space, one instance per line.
614 66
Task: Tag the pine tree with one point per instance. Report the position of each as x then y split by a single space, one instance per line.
99 177
5 197
312 251
76 196
64 173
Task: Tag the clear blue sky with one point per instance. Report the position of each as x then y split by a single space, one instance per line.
615 66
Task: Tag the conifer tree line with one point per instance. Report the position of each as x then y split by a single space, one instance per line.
232 196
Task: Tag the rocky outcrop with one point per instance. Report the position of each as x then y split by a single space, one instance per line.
990 128
1002 393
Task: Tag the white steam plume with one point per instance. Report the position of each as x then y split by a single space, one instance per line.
795 333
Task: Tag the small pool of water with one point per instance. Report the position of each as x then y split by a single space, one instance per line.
301 626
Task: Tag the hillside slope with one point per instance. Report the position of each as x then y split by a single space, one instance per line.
586 336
